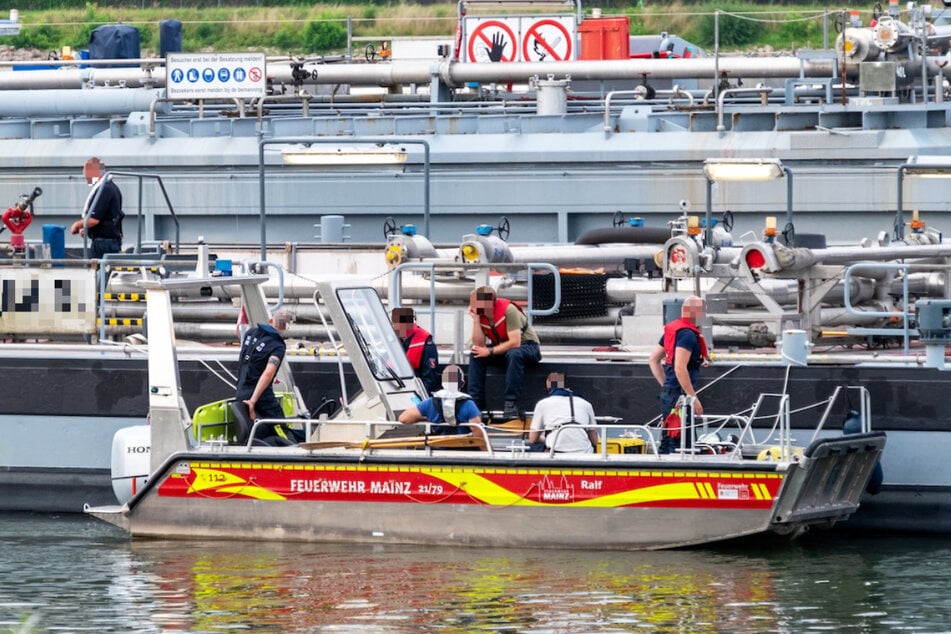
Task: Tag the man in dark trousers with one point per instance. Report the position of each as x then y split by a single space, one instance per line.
262 352
683 352
419 347
102 212
500 336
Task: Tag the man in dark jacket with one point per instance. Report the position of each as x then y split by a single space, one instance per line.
102 213
262 352
419 347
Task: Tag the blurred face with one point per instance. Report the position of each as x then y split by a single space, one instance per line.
693 311
92 170
452 378
483 304
279 321
402 324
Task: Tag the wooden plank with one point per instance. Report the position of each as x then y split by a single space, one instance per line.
515 425
456 441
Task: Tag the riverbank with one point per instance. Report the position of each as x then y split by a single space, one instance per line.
323 28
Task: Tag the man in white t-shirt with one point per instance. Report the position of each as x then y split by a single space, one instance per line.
564 419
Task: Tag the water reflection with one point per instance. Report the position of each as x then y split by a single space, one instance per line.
74 575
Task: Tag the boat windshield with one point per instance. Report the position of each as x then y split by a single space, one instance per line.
375 335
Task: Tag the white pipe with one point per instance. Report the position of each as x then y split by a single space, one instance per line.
63 102
420 72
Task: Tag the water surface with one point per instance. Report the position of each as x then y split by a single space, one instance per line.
74 574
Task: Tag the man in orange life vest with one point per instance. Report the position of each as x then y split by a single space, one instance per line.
684 351
419 346
500 336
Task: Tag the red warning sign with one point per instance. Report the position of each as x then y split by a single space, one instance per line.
492 41
547 41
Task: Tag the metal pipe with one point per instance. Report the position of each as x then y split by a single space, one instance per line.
451 73
607 106
607 256
65 102
763 90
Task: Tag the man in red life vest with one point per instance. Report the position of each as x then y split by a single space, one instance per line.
500 336
682 351
419 346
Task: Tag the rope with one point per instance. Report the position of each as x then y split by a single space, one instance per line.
232 383
657 419
781 20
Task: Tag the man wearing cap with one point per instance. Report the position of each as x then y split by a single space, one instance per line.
565 421
500 336
419 347
102 213
448 408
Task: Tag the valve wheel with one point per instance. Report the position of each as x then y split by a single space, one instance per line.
789 234
728 221
503 228
389 227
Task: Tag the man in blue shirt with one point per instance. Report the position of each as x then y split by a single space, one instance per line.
449 408
683 352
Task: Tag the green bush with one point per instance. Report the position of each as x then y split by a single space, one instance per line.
735 32
287 39
47 38
320 37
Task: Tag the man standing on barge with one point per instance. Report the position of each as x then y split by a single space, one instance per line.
102 213
682 351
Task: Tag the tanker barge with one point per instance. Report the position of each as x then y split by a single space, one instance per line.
304 175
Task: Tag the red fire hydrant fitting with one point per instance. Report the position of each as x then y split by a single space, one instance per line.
17 220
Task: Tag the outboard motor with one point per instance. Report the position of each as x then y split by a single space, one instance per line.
407 245
130 461
484 248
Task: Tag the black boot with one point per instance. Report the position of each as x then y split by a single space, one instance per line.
510 411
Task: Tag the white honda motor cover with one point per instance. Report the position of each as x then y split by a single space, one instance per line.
130 461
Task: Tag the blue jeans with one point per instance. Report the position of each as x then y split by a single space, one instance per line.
515 362
102 246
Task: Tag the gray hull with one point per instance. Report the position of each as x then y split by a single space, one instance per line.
599 503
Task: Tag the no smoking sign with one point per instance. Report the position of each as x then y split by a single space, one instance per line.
547 40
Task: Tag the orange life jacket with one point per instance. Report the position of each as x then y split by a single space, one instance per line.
670 339
496 332
414 351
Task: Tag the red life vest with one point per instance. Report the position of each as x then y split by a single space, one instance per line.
496 333
670 339
414 351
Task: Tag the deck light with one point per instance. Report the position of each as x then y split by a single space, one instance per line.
923 167
717 170
755 169
344 155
